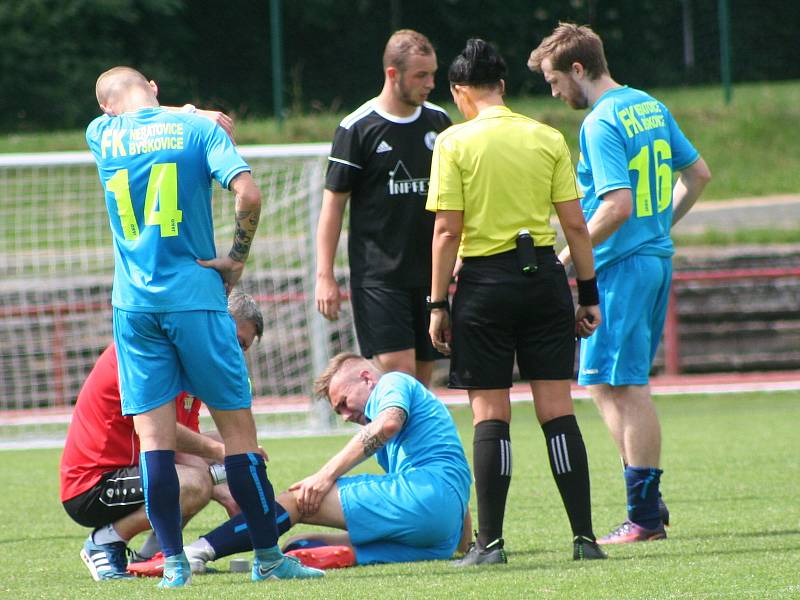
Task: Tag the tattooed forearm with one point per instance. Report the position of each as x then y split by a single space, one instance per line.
246 225
372 437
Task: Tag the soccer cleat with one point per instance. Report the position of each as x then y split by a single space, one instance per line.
287 567
135 557
105 561
153 567
177 572
492 554
584 548
325 557
631 532
663 511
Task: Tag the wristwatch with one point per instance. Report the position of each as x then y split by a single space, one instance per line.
438 304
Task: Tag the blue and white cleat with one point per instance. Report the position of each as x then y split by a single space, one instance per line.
177 572
105 561
287 567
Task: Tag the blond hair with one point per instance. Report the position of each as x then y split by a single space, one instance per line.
323 383
570 43
401 45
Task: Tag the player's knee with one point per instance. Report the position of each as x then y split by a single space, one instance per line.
196 489
288 500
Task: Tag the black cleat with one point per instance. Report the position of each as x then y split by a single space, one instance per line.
584 548
492 554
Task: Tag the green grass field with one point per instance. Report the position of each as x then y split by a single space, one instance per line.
750 144
731 482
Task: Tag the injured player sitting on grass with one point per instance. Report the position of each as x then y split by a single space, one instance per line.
417 510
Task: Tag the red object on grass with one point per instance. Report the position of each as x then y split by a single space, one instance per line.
325 557
148 568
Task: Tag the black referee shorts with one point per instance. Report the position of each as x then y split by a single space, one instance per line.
498 312
116 495
390 319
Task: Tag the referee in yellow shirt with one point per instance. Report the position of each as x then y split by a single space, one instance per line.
494 180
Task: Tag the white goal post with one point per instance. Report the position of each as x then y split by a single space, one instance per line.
56 268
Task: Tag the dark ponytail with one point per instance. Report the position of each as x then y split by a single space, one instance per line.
479 64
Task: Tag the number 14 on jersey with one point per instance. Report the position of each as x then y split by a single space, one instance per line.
160 203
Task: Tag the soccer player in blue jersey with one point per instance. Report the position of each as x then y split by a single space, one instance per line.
416 511
630 148
171 326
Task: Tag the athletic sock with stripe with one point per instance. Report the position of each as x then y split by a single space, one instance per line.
233 536
491 449
247 480
570 468
642 485
162 498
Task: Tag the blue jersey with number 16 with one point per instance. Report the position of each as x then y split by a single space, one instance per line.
630 140
156 167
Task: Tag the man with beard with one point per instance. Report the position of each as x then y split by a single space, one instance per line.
380 160
630 147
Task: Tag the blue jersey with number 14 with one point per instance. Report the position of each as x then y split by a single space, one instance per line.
156 167
630 140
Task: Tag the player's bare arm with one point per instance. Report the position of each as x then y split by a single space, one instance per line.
372 437
328 231
447 230
579 250
197 444
215 116
248 212
691 182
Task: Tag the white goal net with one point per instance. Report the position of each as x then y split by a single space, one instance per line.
56 268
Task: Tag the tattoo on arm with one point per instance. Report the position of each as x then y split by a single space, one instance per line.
246 225
371 436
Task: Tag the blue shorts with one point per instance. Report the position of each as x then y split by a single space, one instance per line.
634 294
163 354
401 517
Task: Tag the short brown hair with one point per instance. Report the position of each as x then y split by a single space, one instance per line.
323 383
570 43
403 44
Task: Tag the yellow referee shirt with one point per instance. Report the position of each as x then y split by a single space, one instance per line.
504 171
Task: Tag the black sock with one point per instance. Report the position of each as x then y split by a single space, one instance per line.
492 465
570 469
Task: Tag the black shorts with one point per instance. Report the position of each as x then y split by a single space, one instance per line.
498 312
116 495
391 319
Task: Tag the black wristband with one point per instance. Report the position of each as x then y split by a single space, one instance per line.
587 292
438 304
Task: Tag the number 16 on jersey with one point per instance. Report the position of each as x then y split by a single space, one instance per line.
160 202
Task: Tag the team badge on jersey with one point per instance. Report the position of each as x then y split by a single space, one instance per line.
430 138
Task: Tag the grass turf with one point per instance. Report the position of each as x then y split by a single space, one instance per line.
731 483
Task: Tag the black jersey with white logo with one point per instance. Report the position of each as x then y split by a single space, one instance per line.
385 162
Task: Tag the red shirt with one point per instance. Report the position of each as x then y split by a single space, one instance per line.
100 439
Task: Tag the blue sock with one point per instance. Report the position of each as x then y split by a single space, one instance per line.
642 487
247 480
162 498
233 536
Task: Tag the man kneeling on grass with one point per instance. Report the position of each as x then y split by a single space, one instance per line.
417 510
101 477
